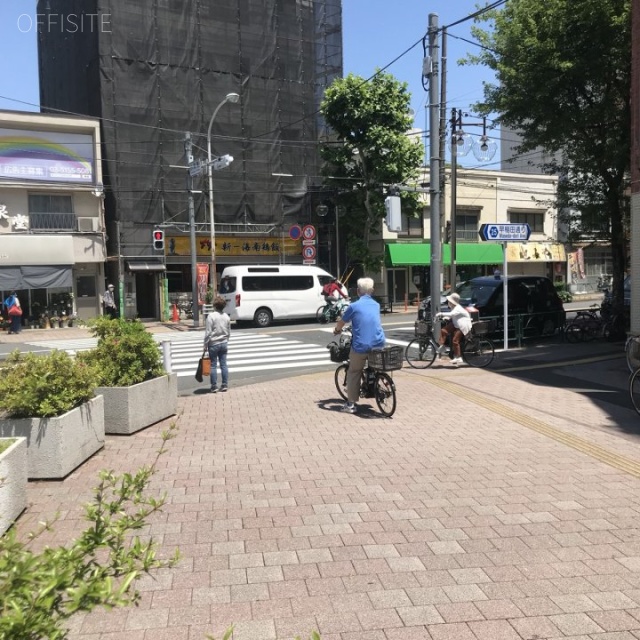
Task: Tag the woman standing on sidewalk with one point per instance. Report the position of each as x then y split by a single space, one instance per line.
216 340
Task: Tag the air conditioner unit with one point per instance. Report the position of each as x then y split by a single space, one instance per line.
89 225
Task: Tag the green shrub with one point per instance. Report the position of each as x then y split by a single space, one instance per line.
126 353
563 293
42 590
33 386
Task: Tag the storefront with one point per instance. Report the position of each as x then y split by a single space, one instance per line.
538 259
408 266
52 287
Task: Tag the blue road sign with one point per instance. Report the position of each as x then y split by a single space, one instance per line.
505 232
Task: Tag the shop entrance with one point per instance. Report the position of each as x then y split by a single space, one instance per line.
146 295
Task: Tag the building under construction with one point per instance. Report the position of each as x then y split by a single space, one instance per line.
155 70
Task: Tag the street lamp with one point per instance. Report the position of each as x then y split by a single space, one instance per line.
230 97
461 144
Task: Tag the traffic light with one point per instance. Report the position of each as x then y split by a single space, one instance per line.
394 213
158 239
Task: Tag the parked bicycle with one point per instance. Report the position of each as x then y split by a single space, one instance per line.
376 382
592 323
476 349
332 311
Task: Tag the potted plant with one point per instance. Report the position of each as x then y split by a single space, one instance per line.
13 480
129 373
49 400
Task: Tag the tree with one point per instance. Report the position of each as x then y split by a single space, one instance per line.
564 82
371 150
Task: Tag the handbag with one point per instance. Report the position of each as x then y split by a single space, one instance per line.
204 367
14 310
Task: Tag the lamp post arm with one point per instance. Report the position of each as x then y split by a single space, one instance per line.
212 231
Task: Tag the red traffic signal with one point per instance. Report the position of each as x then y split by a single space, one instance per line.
158 239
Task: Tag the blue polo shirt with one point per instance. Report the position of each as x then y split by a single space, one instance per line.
364 315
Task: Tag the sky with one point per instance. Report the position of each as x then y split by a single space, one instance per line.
375 32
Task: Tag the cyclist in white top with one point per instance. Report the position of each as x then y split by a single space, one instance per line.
458 325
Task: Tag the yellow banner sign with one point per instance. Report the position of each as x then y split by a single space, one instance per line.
250 247
535 252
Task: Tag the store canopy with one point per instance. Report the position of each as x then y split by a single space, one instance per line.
35 277
146 266
408 254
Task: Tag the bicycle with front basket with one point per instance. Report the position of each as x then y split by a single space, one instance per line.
476 350
376 382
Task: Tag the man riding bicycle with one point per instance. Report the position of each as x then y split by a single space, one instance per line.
367 334
334 291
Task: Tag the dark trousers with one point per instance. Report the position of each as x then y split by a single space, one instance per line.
112 312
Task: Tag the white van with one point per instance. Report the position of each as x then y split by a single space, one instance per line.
265 293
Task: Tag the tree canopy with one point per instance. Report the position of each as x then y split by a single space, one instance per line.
369 151
564 81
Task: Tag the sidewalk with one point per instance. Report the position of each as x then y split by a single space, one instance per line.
488 508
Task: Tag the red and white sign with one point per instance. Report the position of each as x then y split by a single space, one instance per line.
308 232
309 252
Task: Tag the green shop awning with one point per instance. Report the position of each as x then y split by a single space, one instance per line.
408 254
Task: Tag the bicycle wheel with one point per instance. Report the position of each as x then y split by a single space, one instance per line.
632 353
420 353
321 316
573 333
385 391
634 390
478 352
340 378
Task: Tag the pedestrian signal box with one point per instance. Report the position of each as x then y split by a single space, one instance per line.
158 239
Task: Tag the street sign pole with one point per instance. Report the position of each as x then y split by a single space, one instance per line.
505 297
504 233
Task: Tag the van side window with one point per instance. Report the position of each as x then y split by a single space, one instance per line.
277 283
261 283
296 283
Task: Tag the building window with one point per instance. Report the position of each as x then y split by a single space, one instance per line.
467 227
411 227
51 213
535 219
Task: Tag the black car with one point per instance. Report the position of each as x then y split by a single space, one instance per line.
533 302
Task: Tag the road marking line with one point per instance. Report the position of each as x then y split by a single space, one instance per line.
623 463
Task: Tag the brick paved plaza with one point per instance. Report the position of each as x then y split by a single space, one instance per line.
488 508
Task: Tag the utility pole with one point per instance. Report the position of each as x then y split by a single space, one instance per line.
443 122
188 151
120 269
434 168
456 120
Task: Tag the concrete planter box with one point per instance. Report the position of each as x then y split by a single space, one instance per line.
13 483
56 446
129 409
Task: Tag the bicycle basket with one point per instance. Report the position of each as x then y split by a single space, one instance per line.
386 358
338 353
422 328
483 327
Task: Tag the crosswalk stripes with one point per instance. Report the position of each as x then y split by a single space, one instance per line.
247 352
252 352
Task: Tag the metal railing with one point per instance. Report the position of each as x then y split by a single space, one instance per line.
53 222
